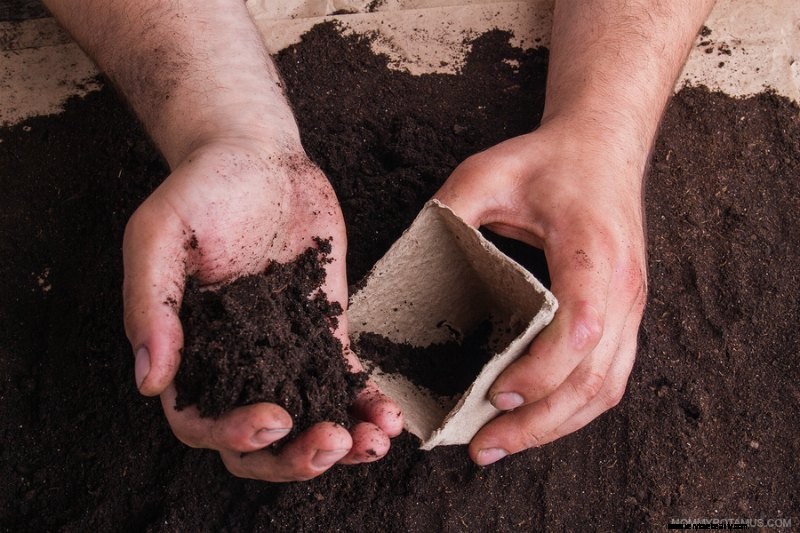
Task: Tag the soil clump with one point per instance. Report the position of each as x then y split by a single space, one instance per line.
708 423
267 338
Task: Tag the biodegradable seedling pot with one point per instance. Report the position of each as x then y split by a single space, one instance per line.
442 270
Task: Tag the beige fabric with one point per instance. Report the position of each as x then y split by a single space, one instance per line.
40 67
291 9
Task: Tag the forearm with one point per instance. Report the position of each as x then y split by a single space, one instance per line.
192 71
613 66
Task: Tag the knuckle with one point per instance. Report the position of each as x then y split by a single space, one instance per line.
136 220
590 385
634 278
233 466
305 472
539 387
188 438
529 438
474 161
298 467
612 396
587 328
232 433
191 433
220 436
547 401
477 164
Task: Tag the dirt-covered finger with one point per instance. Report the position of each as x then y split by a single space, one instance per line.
370 443
305 457
154 263
375 407
251 427
244 429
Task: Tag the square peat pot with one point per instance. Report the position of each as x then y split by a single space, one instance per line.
442 271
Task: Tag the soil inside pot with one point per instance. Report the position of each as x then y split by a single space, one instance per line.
445 368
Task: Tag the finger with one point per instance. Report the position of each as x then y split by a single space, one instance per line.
335 285
609 395
305 457
590 391
244 429
534 423
526 426
581 273
370 443
469 207
373 406
154 253
485 190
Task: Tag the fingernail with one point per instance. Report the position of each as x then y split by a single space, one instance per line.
141 366
505 401
326 458
488 456
267 436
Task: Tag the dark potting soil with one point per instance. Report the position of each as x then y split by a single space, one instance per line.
445 368
267 338
708 426
395 149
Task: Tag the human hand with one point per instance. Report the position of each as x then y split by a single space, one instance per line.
247 205
580 201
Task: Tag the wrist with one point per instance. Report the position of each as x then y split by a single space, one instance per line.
192 118
618 145
270 127
262 146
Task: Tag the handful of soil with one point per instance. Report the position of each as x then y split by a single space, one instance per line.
267 338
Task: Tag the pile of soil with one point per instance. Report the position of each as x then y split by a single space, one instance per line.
388 140
707 427
267 338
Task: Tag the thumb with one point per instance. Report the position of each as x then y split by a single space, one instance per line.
154 249
471 208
